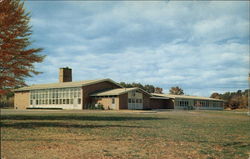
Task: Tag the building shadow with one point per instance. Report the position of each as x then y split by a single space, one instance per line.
77 117
33 125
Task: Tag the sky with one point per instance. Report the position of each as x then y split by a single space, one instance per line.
202 47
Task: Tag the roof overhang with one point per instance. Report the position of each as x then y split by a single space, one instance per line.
186 97
113 92
65 85
154 97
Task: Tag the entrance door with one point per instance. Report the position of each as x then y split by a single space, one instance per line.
135 100
139 104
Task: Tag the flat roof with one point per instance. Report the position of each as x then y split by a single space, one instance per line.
185 97
117 91
64 84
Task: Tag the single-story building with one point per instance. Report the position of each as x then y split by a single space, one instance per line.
122 98
186 102
83 94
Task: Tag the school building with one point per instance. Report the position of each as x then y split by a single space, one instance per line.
105 92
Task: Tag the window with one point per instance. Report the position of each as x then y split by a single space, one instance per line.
54 96
133 93
129 100
183 103
79 100
113 100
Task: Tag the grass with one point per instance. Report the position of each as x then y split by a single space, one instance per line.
124 134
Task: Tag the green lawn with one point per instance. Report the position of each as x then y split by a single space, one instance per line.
124 134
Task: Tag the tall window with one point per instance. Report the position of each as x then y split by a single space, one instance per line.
55 96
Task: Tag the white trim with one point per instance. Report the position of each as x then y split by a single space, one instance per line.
62 106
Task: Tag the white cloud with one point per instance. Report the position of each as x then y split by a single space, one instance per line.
163 66
201 46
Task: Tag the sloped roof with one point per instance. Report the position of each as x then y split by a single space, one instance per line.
117 91
156 97
64 84
185 97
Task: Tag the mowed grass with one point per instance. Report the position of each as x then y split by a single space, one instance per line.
124 134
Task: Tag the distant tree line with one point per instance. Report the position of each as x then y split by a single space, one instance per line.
233 100
152 89
148 88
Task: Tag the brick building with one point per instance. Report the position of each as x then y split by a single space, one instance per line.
84 94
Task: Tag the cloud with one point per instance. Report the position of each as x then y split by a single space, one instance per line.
200 46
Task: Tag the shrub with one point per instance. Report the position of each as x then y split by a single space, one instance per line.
95 106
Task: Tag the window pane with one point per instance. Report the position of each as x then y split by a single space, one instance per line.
129 100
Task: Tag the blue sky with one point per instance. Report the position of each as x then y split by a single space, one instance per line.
203 47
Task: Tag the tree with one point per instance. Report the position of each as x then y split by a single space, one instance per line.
158 90
17 58
147 88
215 95
233 100
176 90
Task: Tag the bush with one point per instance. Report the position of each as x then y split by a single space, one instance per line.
99 106
6 102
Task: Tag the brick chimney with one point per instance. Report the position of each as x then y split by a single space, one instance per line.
65 75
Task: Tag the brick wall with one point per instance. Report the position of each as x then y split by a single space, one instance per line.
87 90
123 101
170 104
107 102
146 101
21 100
161 103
